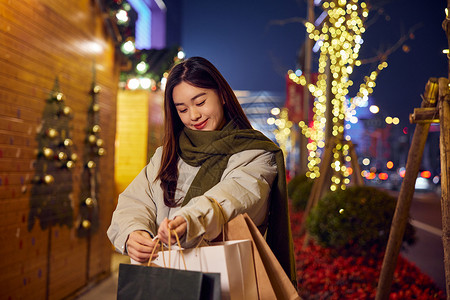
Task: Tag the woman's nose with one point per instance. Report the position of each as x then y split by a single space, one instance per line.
194 113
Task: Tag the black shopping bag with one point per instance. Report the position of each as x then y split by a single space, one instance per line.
142 282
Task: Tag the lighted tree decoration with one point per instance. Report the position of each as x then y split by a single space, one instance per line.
340 38
283 128
88 220
50 200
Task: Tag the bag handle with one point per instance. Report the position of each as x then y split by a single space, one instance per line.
158 241
179 245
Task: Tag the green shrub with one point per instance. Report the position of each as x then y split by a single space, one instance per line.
355 219
301 194
294 183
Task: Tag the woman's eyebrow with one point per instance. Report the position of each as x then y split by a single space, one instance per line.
198 95
192 99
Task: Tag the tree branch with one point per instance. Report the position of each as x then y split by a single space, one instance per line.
384 55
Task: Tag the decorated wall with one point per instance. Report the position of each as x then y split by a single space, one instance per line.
58 87
139 132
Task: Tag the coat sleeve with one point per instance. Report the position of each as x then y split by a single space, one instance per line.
136 209
244 188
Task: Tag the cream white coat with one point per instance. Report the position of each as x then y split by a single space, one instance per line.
244 188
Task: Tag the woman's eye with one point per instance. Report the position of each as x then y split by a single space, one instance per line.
183 110
201 103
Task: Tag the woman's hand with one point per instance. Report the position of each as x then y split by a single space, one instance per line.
178 224
140 246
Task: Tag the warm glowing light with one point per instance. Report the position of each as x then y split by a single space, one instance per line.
133 83
271 121
128 47
163 83
283 131
142 67
275 111
395 121
383 176
402 172
371 175
145 83
425 174
122 16
366 161
374 109
339 38
181 55
389 164
388 120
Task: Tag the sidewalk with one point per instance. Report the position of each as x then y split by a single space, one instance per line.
106 289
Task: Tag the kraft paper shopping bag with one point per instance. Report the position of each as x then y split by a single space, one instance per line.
271 278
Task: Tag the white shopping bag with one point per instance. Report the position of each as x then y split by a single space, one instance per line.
232 259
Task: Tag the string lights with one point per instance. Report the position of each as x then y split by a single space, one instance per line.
145 56
283 131
51 191
340 40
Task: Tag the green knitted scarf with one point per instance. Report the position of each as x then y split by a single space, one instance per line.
212 149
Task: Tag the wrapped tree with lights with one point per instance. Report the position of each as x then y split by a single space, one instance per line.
50 200
283 128
88 220
340 38
330 152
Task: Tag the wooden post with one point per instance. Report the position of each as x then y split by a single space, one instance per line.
401 214
444 113
444 116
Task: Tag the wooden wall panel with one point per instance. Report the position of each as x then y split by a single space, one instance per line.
40 41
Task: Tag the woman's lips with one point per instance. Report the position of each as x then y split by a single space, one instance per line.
201 125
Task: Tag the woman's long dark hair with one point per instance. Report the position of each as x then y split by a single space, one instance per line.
197 72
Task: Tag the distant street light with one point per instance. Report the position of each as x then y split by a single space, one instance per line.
374 109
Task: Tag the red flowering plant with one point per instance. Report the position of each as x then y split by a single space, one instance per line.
324 273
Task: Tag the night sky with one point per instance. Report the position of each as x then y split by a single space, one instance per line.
253 54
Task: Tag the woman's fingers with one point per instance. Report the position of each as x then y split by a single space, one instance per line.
179 225
163 231
140 246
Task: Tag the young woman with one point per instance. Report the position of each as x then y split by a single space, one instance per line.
210 154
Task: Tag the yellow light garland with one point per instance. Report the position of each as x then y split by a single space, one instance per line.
340 39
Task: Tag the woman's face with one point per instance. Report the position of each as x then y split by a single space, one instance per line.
198 108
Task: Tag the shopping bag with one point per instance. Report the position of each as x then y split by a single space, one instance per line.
272 281
138 282
232 259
